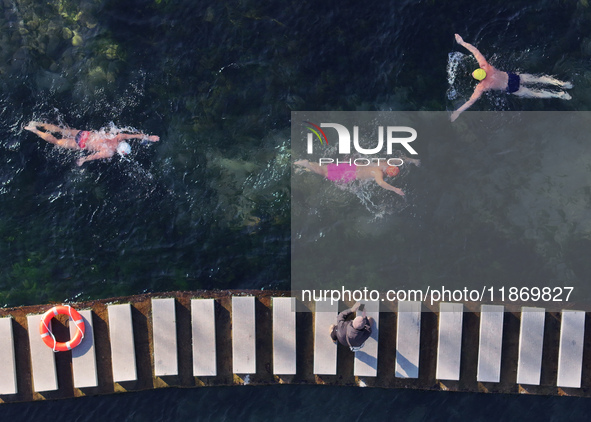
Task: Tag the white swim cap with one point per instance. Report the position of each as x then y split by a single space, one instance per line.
123 148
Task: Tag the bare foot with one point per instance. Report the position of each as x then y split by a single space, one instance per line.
303 166
302 170
32 126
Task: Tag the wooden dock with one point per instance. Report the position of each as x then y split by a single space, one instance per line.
207 338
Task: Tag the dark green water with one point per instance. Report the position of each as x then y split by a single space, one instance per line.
208 206
296 403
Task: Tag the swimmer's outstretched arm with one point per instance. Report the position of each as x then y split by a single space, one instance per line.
407 160
476 95
382 183
96 156
477 54
125 136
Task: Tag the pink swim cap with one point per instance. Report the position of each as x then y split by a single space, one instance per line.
392 171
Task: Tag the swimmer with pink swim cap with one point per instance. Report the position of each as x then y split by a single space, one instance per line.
99 144
346 173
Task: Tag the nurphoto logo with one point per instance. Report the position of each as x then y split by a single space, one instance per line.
344 143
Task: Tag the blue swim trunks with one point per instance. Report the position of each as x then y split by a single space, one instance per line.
513 83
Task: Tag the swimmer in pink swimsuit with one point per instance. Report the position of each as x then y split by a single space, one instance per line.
100 144
343 173
346 173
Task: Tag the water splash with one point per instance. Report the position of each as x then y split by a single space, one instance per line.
454 60
378 202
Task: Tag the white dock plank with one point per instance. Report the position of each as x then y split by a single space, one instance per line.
164 330
284 336
531 342
490 343
408 339
42 358
366 359
243 335
325 351
449 347
570 354
203 334
7 360
84 355
122 343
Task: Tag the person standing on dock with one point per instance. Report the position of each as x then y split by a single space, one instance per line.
351 333
101 144
491 79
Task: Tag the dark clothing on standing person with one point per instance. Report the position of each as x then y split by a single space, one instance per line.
349 335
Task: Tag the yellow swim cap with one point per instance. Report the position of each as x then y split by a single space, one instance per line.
479 74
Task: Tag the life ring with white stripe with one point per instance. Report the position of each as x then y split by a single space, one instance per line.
49 338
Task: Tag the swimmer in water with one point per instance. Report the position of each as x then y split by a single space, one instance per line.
346 173
494 79
101 145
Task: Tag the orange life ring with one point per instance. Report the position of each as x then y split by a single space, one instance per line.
49 338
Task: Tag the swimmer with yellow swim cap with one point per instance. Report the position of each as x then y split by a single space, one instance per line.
479 74
491 79
100 144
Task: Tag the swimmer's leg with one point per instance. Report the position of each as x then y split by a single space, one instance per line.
539 93
47 136
414 161
316 168
66 133
44 135
544 79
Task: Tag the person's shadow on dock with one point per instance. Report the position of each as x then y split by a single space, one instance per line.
407 368
367 359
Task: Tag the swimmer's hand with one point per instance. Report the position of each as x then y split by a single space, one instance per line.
382 183
459 39
153 138
398 191
455 115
